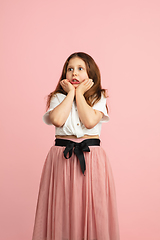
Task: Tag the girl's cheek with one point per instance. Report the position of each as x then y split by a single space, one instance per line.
67 76
85 76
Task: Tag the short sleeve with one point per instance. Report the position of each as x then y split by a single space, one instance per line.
101 106
55 101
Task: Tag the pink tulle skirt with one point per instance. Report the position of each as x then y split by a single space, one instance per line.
72 206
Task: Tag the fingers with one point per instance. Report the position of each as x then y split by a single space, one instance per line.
88 83
66 85
85 86
63 82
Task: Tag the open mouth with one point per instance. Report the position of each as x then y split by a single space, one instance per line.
74 81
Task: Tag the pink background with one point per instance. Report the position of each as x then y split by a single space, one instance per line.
124 38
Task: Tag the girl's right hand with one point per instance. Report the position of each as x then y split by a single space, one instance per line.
67 86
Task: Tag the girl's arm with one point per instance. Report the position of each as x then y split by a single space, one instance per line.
88 116
59 114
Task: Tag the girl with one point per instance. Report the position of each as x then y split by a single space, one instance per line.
77 199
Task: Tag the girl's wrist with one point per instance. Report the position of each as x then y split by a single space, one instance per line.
71 92
78 91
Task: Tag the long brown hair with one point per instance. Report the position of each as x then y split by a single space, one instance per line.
93 95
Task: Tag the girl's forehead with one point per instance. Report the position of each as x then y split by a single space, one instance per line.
76 61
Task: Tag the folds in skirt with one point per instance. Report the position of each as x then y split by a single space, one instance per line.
72 206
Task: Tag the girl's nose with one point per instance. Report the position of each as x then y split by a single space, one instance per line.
74 73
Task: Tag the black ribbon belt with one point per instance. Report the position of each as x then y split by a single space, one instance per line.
79 148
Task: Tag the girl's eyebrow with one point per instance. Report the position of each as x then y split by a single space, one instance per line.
70 66
81 66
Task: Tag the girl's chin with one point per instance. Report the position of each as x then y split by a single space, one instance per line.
75 85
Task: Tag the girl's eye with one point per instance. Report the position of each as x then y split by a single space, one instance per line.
70 69
80 68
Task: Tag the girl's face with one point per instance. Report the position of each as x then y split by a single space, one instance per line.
76 71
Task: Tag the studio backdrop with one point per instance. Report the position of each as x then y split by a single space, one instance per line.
123 37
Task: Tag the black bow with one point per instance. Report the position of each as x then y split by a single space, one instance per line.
79 148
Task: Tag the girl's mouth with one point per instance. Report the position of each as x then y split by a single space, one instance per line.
74 81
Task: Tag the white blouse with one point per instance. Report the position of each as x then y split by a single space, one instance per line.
73 125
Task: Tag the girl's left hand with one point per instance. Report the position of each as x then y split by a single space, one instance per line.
85 86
